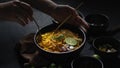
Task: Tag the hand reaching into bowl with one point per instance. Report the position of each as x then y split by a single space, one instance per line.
16 11
58 12
61 12
22 12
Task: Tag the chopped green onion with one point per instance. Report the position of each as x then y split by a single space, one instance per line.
60 37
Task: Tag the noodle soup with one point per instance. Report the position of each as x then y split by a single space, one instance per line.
62 45
62 40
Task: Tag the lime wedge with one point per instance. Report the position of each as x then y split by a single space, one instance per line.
71 41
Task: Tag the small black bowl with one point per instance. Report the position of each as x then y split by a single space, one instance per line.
106 47
98 23
87 62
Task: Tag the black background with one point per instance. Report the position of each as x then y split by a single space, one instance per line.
11 32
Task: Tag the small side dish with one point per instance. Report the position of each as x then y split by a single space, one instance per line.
107 48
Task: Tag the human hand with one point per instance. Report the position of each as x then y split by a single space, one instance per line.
61 12
16 11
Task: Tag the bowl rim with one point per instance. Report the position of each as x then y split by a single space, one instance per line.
97 14
86 56
82 44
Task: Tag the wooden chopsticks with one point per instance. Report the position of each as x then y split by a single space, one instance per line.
66 19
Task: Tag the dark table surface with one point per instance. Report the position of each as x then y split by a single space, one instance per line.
11 32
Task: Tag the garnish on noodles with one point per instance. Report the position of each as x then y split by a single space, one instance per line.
60 41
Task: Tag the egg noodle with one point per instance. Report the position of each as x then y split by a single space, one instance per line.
60 41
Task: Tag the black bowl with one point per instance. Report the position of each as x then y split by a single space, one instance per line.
62 56
87 62
98 23
106 47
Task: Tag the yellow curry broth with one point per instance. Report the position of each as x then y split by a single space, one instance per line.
54 41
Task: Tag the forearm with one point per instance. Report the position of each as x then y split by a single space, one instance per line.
46 6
